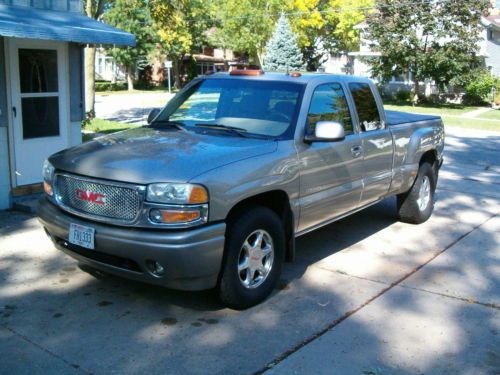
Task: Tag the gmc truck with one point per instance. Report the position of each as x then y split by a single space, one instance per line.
214 190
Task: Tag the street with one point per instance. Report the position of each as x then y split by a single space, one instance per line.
366 295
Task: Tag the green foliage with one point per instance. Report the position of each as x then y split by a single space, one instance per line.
282 52
480 86
110 86
402 96
432 39
132 16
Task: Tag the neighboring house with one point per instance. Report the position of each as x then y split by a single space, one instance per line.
212 60
490 47
41 85
358 63
106 69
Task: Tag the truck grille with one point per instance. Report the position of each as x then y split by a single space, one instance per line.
93 198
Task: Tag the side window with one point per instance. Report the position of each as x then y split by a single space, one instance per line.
329 103
366 106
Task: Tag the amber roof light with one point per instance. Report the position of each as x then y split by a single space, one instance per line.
246 72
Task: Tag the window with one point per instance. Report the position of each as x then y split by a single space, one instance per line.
266 108
328 103
366 106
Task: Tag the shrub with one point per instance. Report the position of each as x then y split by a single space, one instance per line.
403 96
110 86
479 86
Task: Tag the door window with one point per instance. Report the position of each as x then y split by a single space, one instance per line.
329 103
39 92
366 106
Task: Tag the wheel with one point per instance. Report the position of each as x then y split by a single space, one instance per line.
254 253
416 205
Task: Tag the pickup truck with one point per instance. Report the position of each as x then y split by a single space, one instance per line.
214 190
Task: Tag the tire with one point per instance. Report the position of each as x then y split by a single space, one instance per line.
414 208
238 289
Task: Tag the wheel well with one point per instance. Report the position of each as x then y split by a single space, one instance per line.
278 201
428 157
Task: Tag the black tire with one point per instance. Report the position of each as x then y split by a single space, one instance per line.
231 290
408 203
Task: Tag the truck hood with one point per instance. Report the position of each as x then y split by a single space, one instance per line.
146 155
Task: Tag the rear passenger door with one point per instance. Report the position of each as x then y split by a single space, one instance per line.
331 172
376 141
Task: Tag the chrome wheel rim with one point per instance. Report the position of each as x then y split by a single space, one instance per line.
424 194
256 258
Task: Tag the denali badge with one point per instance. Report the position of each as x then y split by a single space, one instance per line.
90 196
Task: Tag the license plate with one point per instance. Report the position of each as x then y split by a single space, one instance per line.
81 235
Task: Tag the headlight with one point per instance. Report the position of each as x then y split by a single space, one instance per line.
177 193
48 177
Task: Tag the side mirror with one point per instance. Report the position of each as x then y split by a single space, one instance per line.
152 115
326 131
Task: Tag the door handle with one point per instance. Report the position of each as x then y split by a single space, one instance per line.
14 110
356 151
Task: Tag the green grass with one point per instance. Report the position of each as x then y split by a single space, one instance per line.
494 114
438 109
98 125
472 123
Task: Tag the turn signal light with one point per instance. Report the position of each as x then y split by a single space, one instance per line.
198 195
47 188
173 216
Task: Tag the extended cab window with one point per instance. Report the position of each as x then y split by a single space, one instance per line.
329 103
366 106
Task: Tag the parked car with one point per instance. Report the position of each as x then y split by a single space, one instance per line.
215 189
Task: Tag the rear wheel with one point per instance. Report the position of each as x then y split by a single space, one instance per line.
416 205
254 254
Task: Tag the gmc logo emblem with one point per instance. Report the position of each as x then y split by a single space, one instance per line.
90 196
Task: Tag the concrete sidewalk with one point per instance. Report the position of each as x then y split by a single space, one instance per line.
366 295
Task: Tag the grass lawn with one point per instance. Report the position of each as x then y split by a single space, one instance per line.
472 123
494 114
438 109
98 125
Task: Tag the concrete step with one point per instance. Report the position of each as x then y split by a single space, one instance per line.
26 204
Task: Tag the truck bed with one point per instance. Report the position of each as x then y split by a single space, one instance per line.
397 117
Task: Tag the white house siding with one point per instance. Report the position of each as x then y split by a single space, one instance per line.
493 52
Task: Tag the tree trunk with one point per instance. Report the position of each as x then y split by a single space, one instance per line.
130 78
90 81
416 89
177 73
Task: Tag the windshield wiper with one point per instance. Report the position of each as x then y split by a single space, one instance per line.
233 129
178 125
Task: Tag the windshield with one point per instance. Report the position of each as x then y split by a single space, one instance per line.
265 108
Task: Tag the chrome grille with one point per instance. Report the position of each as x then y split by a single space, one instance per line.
117 202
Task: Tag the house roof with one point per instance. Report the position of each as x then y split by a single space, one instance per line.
491 21
27 22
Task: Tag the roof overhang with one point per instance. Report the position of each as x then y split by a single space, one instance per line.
32 23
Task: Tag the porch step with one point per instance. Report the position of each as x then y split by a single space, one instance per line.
26 204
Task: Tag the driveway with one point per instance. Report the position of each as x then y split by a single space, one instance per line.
366 295
129 108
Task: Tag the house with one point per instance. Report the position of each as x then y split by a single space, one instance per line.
490 46
106 68
358 63
41 85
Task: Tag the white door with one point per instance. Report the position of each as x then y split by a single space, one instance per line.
39 100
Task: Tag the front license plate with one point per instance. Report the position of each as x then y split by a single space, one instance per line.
81 235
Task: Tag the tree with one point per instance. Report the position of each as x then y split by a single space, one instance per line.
436 40
246 25
93 9
182 26
132 16
282 51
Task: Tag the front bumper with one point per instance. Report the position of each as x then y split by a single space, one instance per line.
192 258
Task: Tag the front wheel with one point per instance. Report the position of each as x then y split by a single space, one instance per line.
254 253
416 205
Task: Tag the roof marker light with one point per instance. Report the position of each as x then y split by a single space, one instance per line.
295 74
246 72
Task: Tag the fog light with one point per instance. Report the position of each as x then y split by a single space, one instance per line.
155 268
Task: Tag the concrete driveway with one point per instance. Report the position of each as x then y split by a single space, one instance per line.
367 295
